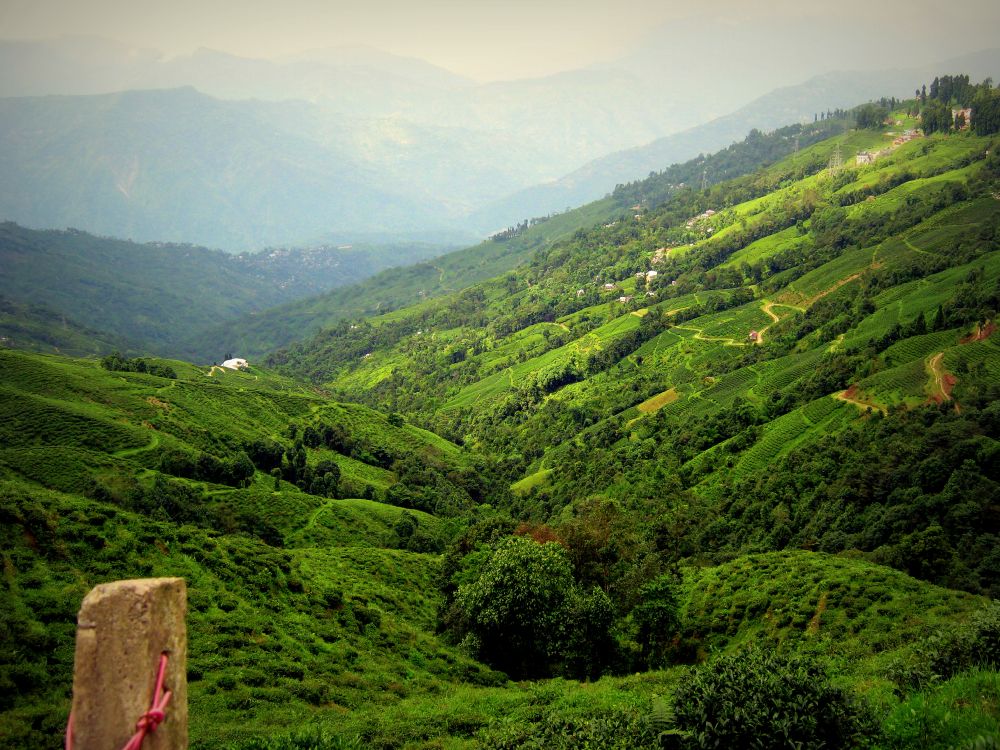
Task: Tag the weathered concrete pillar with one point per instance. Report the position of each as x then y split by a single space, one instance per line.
121 630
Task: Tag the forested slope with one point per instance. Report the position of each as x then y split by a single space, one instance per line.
159 298
694 361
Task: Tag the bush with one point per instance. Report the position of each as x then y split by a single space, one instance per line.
312 738
761 699
945 654
621 728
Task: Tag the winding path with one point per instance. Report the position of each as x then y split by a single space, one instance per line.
154 441
849 397
942 381
775 318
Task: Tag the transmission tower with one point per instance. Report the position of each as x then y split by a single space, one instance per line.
837 159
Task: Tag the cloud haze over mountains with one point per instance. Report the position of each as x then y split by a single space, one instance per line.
285 146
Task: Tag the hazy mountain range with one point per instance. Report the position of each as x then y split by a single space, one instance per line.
774 109
237 153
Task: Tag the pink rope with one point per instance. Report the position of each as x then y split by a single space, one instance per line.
149 721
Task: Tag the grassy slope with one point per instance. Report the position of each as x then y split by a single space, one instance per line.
680 357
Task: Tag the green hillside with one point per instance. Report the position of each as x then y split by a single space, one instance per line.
791 364
785 310
38 328
109 474
747 500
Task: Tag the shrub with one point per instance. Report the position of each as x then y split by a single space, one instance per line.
312 738
621 728
945 654
761 699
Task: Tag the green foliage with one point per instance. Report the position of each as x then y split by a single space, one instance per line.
756 698
986 111
975 644
515 609
117 363
957 713
315 738
870 116
619 729
657 617
572 716
524 614
935 117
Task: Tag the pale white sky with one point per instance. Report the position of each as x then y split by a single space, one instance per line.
483 39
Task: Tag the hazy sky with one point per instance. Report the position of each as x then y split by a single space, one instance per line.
483 39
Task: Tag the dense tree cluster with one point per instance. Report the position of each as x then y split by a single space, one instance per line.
949 91
117 363
870 116
235 471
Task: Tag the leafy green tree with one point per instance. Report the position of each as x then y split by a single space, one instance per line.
657 617
326 478
935 117
586 646
515 611
870 116
241 469
986 110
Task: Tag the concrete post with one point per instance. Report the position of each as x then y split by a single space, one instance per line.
121 630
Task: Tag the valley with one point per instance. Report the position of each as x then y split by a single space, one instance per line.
710 461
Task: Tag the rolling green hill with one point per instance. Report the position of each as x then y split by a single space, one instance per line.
750 497
789 308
